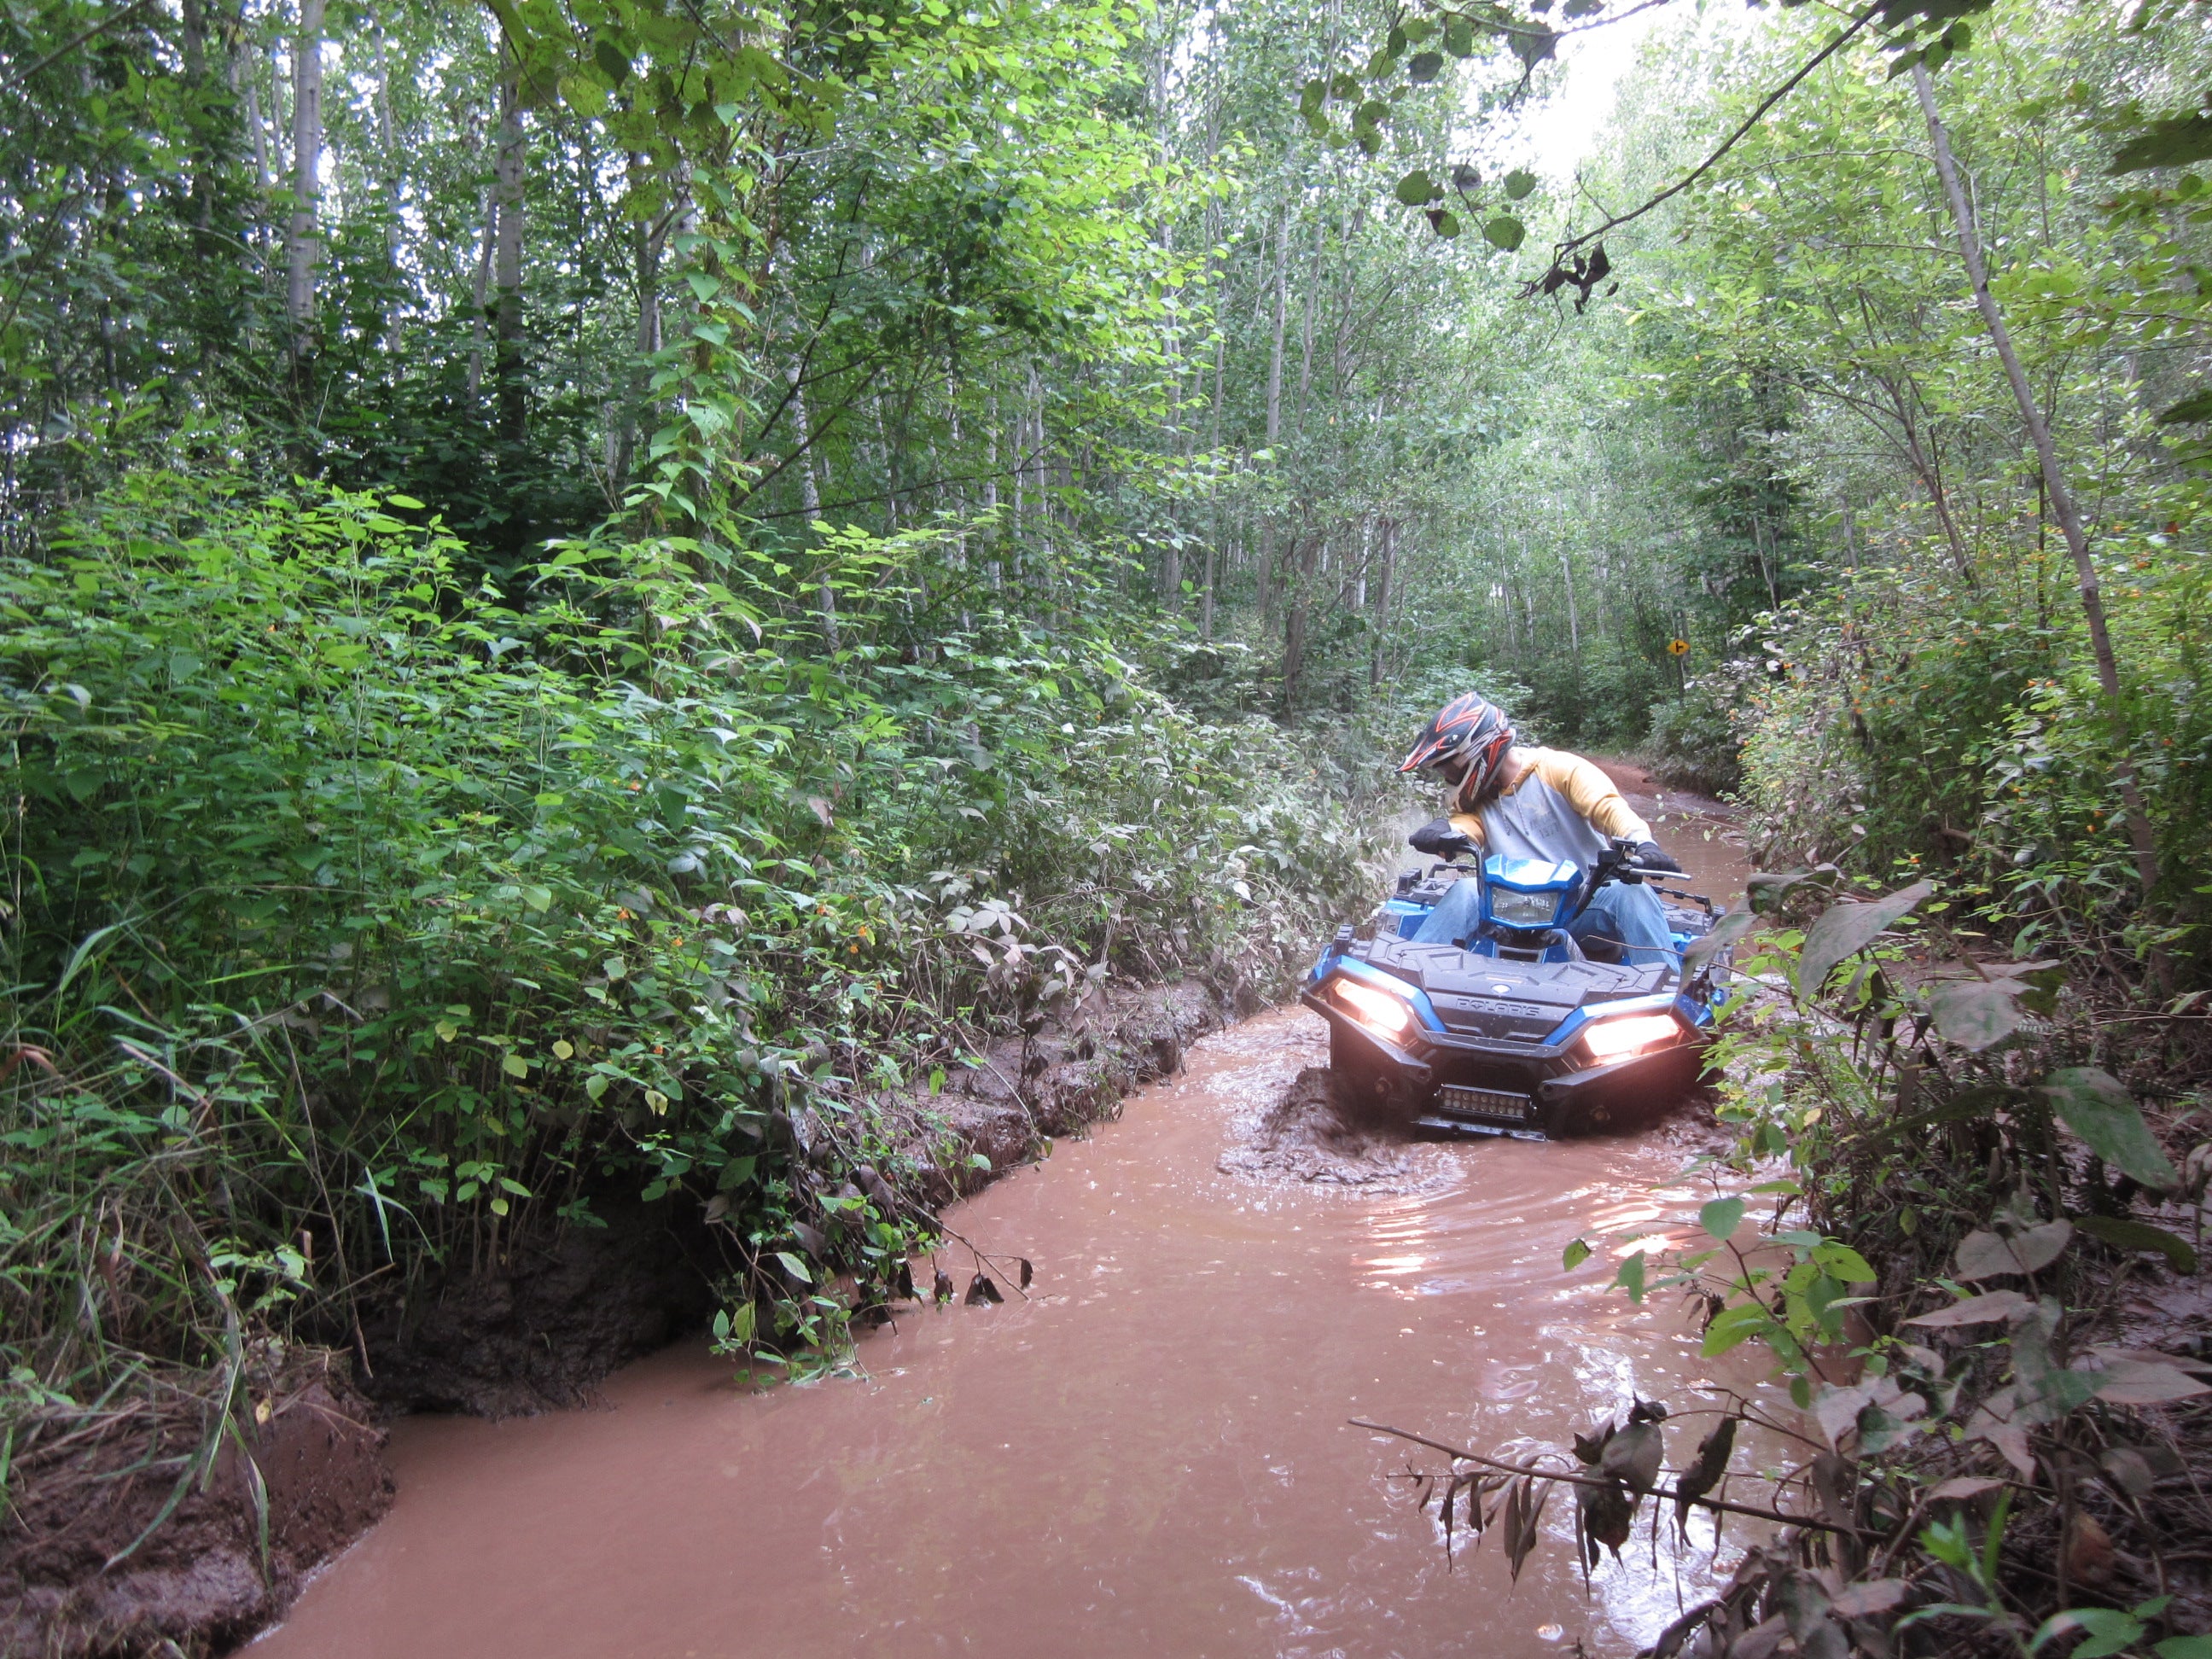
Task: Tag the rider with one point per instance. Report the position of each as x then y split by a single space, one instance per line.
1532 804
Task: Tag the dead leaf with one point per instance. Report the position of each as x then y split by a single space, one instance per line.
982 1289
821 810
1702 1476
1865 1600
2087 1549
943 1288
2141 1382
1524 1506
1607 1515
2129 1470
1634 1455
1977 1310
1761 1640
1962 1486
1028 1272
1984 1254
1837 1410
1994 1420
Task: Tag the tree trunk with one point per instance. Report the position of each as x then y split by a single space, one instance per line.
1574 618
2062 507
810 494
480 323
1304 553
994 569
1383 593
651 238
302 247
509 371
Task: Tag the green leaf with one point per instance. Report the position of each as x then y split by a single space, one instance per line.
1444 222
2184 1647
516 1066
1722 934
2190 409
1721 1217
612 61
584 94
1423 67
407 501
721 1325
796 1267
1734 1326
1519 183
2175 143
1458 38
1417 189
2109 1632
1532 44
1505 231
2097 1108
1975 1013
1631 1276
1845 929
539 898
1843 1263
2126 1235
1576 1253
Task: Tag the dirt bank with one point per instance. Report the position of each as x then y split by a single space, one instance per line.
309 1479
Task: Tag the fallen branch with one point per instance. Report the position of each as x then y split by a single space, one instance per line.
1720 1504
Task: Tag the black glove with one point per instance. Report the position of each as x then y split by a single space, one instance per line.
1649 857
1437 837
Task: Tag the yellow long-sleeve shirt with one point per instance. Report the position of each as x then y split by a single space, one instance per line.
1579 783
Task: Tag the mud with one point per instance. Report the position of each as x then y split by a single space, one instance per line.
1147 1453
201 1582
1306 1136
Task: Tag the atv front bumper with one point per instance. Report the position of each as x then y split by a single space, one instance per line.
1459 1083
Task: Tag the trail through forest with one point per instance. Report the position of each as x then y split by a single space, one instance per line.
642 641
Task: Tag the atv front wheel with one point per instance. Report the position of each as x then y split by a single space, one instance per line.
1357 1077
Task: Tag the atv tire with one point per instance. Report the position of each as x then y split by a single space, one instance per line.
1357 1081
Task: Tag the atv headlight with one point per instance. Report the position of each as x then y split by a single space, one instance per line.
1517 910
1378 1011
1629 1034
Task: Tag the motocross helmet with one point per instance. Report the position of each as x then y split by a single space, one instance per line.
1469 736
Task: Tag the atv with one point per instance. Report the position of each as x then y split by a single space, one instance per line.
1518 1029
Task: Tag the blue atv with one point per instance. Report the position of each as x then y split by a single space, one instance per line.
1519 1029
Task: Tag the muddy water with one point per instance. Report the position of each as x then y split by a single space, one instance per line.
1147 1455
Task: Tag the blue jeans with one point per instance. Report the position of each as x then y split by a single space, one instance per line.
1631 914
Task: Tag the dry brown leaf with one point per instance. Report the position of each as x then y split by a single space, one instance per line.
1977 1310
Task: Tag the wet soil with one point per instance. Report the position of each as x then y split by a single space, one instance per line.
209 1576
1148 1452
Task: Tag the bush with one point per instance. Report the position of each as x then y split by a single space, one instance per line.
359 918
1692 742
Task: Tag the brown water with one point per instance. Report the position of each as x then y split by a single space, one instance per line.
1149 1454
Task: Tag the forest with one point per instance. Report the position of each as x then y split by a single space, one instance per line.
595 594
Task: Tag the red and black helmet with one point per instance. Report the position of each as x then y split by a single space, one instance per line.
1470 729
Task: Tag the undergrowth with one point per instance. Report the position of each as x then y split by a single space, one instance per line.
360 921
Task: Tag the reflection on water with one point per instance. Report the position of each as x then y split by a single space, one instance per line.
1149 1454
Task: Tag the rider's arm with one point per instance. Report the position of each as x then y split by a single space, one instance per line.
1470 826
1591 793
